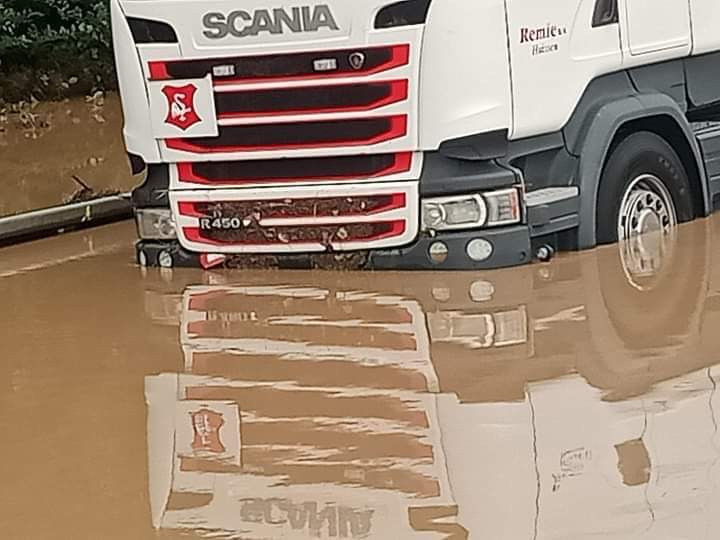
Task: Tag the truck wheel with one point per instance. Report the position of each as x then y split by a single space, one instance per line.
644 188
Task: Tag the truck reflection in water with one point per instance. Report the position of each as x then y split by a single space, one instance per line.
569 400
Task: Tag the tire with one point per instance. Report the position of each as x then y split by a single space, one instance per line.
640 158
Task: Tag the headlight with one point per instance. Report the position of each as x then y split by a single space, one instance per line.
448 213
155 224
473 211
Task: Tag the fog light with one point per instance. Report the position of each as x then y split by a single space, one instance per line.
448 213
438 252
165 259
155 224
479 249
503 207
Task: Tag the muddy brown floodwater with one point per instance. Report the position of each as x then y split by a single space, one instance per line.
42 146
570 400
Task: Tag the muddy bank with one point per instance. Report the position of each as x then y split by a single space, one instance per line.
50 151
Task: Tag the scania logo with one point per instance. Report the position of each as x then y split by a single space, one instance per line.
357 60
242 23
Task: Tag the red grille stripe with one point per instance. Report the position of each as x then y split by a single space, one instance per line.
391 202
189 209
398 128
402 164
387 229
158 71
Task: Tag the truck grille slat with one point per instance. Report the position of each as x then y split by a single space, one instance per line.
294 170
291 66
308 234
329 133
311 99
290 208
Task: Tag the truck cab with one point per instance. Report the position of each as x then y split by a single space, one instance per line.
420 134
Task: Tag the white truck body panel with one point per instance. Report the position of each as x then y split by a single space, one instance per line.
550 72
670 30
464 87
705 16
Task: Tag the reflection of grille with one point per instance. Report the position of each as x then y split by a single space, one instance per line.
307 208
311 99
347 132
288 170
285 66
306 234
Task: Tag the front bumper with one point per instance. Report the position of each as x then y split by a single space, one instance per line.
511 247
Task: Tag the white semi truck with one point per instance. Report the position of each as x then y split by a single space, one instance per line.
416 134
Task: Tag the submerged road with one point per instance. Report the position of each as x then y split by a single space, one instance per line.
572 400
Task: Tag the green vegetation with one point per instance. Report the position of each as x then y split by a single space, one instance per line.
50 49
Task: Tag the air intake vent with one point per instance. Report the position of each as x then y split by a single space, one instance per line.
294 170
147 31
352 132
286 66
311 99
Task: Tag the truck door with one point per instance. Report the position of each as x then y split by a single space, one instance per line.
658 25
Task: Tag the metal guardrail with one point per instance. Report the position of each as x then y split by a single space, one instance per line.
66 217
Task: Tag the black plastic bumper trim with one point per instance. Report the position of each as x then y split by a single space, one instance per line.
511 248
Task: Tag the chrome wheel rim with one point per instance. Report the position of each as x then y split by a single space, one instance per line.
646 207
646 227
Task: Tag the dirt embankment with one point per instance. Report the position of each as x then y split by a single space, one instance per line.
50 151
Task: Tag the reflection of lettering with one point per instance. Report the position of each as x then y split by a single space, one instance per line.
206 425
227 317
572 464
337 521
435 519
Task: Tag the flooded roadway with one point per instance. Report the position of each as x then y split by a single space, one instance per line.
78 138
572 400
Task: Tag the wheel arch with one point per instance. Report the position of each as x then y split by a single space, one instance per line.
614 120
